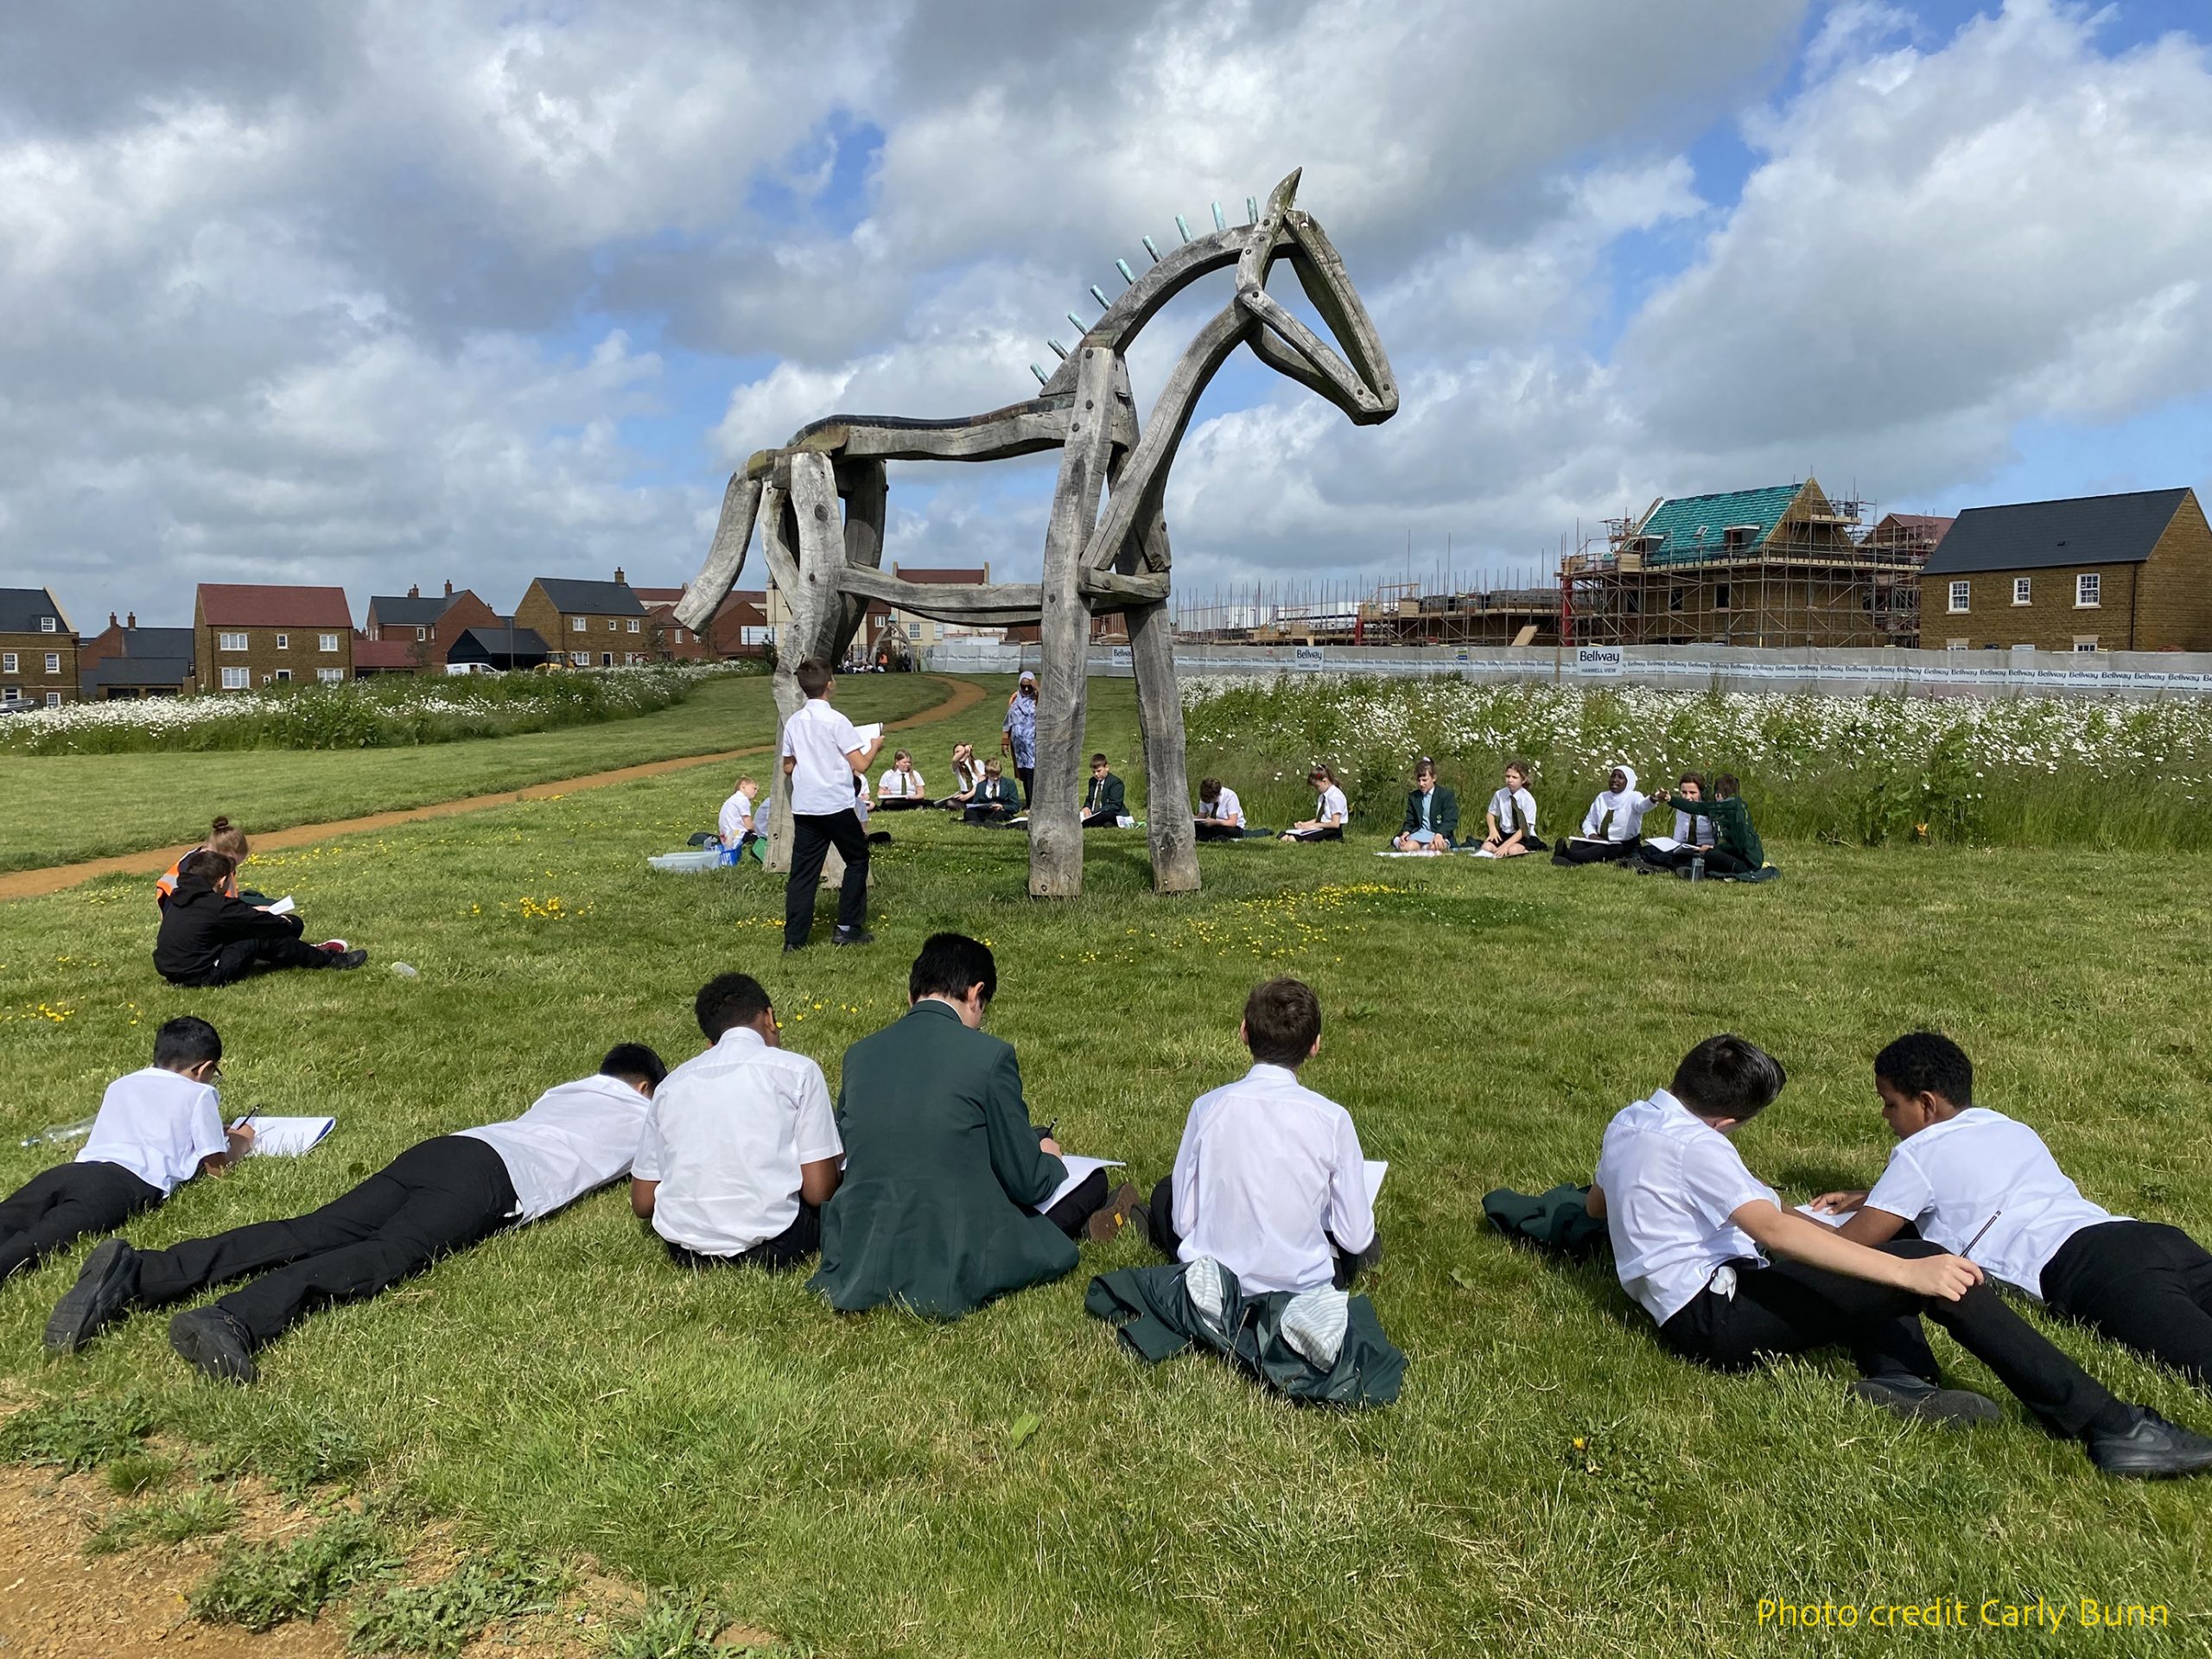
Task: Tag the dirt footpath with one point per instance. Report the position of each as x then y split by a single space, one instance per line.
31 884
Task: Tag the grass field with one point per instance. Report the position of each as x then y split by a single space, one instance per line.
1550 1479
63 809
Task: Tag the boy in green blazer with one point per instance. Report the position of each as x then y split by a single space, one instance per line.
1432 814
1104 805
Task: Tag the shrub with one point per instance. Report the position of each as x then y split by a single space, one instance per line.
262 1585
76 1433
440 1620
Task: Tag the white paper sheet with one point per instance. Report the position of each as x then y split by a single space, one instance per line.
1661 843
870 732
283 906
287 1137
1823 1216
1079 1171
1375 1169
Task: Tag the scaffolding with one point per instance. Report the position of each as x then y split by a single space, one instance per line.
1397 613
1819 574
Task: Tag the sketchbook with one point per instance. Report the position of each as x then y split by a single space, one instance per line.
1661 843
1079 1171
283 906
1374 1169
868 735
286 1137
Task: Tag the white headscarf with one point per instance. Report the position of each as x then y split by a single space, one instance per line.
1626 806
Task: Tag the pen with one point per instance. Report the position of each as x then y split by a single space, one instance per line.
1976 1239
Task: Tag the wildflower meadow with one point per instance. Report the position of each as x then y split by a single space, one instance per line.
2031 772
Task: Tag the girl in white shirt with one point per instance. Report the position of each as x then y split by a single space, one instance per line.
1610 829
1328 823
1509 826
900 789
966 774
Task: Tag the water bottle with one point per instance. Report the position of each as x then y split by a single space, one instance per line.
1697 868
56 1134
404 971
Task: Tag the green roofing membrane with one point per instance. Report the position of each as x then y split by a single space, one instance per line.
1691 526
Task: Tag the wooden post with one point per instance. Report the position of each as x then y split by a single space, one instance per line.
780 538
1064 634
1168 828
866 490
820 621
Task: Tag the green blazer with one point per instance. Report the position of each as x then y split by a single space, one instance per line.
1107 792
941 1167
1443 813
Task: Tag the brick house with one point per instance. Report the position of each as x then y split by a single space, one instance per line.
667 638
587 624
249 635
2129 572
430 626
124 660
38 648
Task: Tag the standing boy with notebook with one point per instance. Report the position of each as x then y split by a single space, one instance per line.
740 1149
156 1130
1693 1231
1268 1180
439 1196
1961 1172
825 764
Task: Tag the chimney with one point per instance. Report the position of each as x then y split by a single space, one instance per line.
449 589
618 574
111 619
131 623
413 590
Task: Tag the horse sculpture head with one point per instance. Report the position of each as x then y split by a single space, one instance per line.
1359 382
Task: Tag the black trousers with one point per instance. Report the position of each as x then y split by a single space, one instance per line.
1203 831
813 834
1028 778
1333 832
435 1197
801 1239
1717 862
1087 1200
1593 852
1791 1308
1169 1242
902 804
2141 1283
64 1203
986 813
1101 820
241 958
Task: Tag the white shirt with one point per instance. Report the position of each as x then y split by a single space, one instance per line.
1952 1177
1267 1171
1506 803
157 1124
900 785
821 739
1330 809
725 1137
736 820
1693 830
1626 806
1671 1181
1228 809
574 1138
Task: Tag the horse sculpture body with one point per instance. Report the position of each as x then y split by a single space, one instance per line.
1101 556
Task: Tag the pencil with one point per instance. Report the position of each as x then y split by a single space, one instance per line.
1976 1239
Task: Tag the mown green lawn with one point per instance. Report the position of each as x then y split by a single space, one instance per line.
1550 1480
61 809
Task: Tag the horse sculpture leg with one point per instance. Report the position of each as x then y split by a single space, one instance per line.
806 547
1160 717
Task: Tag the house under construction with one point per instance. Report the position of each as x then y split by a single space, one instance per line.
1773 568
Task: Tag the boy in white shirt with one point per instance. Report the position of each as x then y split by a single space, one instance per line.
900 789
1330 811
1693 1230
825 768
1977 1182
740 1149
1269 1180
735 826
1220 816
439 1196
156 1130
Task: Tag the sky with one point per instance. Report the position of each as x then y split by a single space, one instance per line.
374 294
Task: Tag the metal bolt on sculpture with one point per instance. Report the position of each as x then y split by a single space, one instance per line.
1099 558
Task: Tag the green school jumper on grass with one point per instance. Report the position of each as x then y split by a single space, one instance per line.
941 1164
1731 828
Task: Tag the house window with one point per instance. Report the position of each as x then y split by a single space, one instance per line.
420 634
284 642
53 662
2020 590
230 642
1720 596
613 625
7 662
237 679
575 624
47 625
54 699
330 676
327 644
1962 592
284 677
580 659
2084 642
2087 589
633 624
11 693
1956 645
914 630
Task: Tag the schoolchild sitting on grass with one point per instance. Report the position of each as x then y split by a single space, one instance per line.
1220 816
1509 825
901 789
967 773
1692 835
156 1130
224 837
995 799
1432 814
1329 811
208 939
1731 1278
1736 849
1611 825
1984 1184
735 826
1104 803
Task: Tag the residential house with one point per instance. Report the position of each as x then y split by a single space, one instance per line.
430 625
249 635
38 648
124 660
587 624
667 638
505 647
2129 572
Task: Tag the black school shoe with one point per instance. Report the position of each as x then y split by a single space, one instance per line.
1927 1403
852 936
214 1344
104 1288
2151 1449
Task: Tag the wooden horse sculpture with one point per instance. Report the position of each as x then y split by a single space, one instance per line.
1099 558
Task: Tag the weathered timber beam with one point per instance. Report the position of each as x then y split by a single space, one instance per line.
1147 590
990 604
725 556
1136 305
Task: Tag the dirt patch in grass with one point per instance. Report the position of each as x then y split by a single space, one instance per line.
963 695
